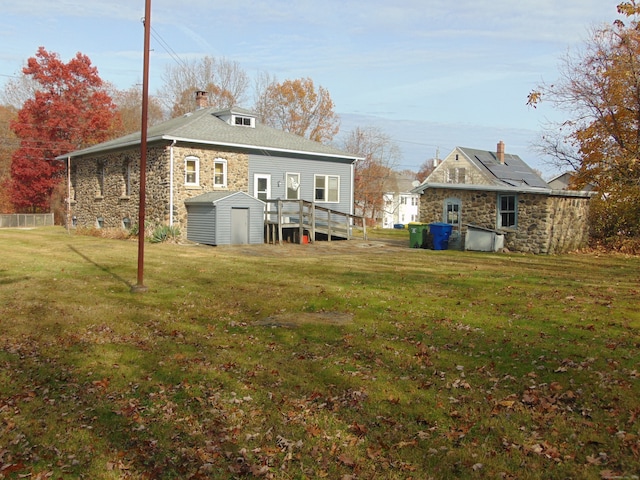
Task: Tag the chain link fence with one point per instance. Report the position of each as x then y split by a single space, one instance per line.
26 220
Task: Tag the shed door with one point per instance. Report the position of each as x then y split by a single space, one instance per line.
239 226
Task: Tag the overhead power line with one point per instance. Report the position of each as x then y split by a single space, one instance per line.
167 48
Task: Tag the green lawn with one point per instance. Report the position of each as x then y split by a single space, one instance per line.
342 360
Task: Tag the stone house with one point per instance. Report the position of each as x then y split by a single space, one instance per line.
498 191
205 151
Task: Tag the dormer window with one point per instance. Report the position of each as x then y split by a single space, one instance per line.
243 121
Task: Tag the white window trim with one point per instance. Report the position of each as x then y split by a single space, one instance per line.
296 187
242 123
224 173
257 176
197 170
326 188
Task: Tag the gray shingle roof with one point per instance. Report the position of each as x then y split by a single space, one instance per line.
207 126
513 172
213 197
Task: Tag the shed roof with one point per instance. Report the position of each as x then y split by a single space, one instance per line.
208 126
215 197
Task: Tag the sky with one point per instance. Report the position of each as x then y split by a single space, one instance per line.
431 74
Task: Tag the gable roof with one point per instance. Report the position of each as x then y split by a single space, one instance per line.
208 126
400 183
214 197
514 175
513 172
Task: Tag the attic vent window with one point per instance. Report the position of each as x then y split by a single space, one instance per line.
243 121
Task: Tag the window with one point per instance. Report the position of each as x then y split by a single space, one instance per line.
452 213
507 211
127 177
327 188
456 175
100 177
243 121
293 186
191 171
219 172
74 181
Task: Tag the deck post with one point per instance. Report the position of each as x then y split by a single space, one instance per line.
329 225
280 222
301 220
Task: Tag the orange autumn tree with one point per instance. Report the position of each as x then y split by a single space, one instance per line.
129 107
599 88
8 145
296 106
69 110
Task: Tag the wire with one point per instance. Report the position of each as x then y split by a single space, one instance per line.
167 48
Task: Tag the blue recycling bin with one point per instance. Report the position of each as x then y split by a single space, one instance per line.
440 232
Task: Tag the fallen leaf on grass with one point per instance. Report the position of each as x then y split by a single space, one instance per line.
346 460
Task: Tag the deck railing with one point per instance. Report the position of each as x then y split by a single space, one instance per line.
302 218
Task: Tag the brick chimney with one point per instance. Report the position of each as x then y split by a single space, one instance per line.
202 101
500 152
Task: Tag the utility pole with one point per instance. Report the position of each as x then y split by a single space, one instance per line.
140 287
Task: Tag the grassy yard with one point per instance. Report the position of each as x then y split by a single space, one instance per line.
348 360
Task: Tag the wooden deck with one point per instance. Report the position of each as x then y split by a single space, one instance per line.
294 220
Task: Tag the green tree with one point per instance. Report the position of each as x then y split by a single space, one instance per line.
599 88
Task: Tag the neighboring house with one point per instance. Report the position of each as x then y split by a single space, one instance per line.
401 206
498 191
201 152
563 182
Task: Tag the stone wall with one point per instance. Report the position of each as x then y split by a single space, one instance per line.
114 202
478 207
119 196
546 224
237 176
569 229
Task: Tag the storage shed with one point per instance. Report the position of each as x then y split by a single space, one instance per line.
225 218
483 239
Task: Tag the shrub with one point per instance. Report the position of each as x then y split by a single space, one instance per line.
165 233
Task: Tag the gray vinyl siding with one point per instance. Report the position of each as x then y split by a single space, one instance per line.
209 222
278 167
201 224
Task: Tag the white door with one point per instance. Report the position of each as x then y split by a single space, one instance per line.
262 186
